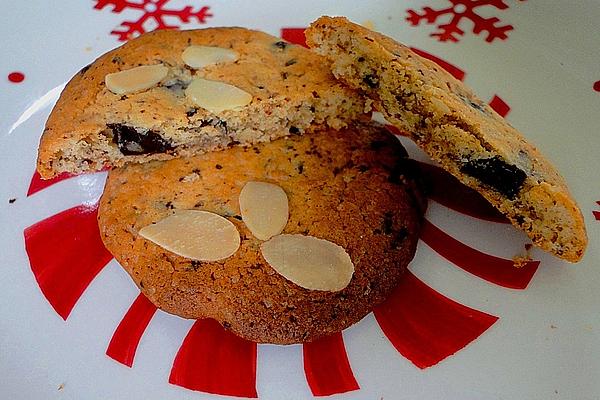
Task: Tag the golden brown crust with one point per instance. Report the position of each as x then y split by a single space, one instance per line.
351 187
292 92
458 130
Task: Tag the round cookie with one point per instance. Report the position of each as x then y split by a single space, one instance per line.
291 92
354 187
458 130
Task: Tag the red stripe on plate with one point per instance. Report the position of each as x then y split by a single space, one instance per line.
294 35
125 340
451 69
500 106
213 360
327 367
37 183
425 326
448 191
491 268
66 253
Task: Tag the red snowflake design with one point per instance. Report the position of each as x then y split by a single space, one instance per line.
66 253
153 11
460 10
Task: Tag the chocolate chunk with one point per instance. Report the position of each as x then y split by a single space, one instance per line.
280 45
294 131
377 144
371 80
387 223
132 142
195 265
84 69
496 173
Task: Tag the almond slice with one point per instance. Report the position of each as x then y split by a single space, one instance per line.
201 56
216 96
264 208
199 235
309 262
135 79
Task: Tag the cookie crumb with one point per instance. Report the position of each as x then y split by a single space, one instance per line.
61 387
521 261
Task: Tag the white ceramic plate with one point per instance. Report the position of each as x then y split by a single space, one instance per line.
544 343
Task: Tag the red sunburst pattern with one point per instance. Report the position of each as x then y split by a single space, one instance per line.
214 360
125 339
425 326
66 253
491 268
327 367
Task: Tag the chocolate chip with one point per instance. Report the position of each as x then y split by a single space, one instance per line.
84 69
398 237
387 223
177 86
132 142
192 112
195 265
218 166
11 201
377 144
476 106
496 173
280 45
290 62
300 168
294 131
360 59
169 205
284 75
371 80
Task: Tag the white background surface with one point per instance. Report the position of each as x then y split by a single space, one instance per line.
545 71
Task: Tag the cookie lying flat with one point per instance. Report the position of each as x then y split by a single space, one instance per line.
351 187
253 87
465 135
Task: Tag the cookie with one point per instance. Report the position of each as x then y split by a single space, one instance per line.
354 188
458 130
146 112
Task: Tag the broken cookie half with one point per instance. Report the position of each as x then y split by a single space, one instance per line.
458 130
172 93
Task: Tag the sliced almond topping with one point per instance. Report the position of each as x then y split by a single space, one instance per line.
135 79
199 235
216 96
201 56
264 208
309 262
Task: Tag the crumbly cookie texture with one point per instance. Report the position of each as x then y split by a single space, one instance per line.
458 130
354 188
292 91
